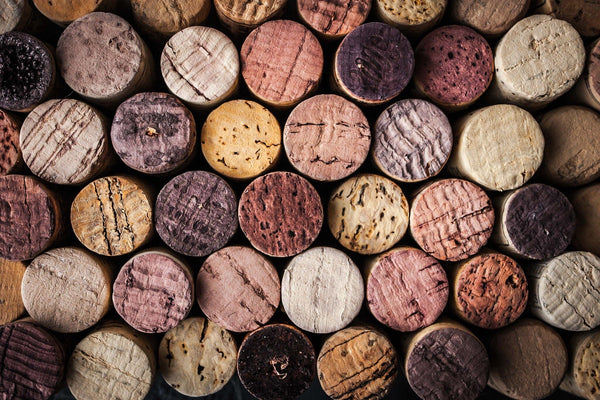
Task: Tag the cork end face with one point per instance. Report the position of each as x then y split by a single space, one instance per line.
11 300
585 362
249 13
487 17
411 15
9 142
334 20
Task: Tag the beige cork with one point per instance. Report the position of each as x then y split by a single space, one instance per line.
489 17
583 375
586 202
11 157
67 289
14 15
113 215
587 89
582 14
11 302
333 19
241 16
411 17
197 357
63 12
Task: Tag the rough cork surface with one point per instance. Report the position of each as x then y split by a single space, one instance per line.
238 288
581 378
412 140
280 214
582 14
528 359
357 363
282 62
67 289
63 12
451 219
241 139
13 13
241 16
368 214
276 362
406 289
153 133
336 19
586 203
412 16
587 89
196 213
326 137
162 20
374 63
11 302
489 17
10 150
154 291
197 357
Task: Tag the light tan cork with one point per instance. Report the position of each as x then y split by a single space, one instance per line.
63 12
586 202
582 14
587 89
489 17
241 16
333 19
14 15
11 302
412 16
582 378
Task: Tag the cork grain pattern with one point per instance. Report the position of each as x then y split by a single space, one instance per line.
582 14
581 378
11 302
411 13
164 19
10 150
63 12
489 17
11 14
240 17
334 19
586 202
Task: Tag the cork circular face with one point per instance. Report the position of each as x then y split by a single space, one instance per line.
241 139
11 302
9 142
196 213
200 65
326 137
33 362
586 202
153 133
334 19
406 289
280 214
64 12
412 140
451 219
357 363
248 13
238 288
411 13
67 289
374 63
13 14
592 79
282 62
64 141
162 20
368 214
488 16
585 360
582 14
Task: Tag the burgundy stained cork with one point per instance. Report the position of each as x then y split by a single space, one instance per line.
196 213
586 203
280 214
10 152
333 19
488 17
11 301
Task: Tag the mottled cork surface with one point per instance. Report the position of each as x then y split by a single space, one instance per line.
13 13
334 19
10 155
581 378
11 302
586 203
244 15
161 20
63 12
413 16
489 17
582 14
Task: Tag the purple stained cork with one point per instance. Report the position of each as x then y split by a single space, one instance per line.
196 213
10 151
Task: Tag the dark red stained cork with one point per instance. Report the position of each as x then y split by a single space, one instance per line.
196 213
276 362
10 152
281 214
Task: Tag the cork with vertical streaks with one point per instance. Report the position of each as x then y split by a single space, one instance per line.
488 17
587 89
14 15
413 17
161 20
11 302
582 14
334 19
581 378
241 16
63 12
11 157
586 203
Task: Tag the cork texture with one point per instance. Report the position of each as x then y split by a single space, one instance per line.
413 16
586 203
13 14
162 20
489 17
582 14
10 153
581 378
587 89
11 302
334 20
245 15
63 12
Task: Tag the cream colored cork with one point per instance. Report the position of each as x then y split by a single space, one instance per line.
582 14
586 202
241 16
587 89
410 16
11 302
583 374
197 357
63 12
161 19
489 17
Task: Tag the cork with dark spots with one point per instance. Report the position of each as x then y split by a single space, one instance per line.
582 14
196 213
10 151
334 19
241 16
489 17
581 378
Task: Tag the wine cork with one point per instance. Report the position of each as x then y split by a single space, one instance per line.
30 217
586 203
196 213
32 359
67 289
66 142
153 133
333 20
200 66
451 219
281 214
523 57
238 288
241 139
528 360
488 17
11 302
197 357
326 137
412 17
529 228
103 59
563 291
242 16
582 14
282 62
373 64
357 363
11 157
14 15
112 216
499 147
368 214
322 290
412 140
571 160
587 88
276 362
488 290
456 66
406 288
63 12
111 362
581 378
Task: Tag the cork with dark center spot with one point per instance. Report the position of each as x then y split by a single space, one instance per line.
581 378
63 12
10 151
242 16
587 89
586 203
11 302
488 17
582 14
412 17
161 20
334 19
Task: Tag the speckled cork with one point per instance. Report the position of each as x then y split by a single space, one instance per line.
581 378
451 219
11 302
582 14
528 359
499 147
563 291
368 214
373 63
241 16
196 213
63 12
587 89
326 137
281 214
67 289
412 17
406 288
153 133
112 215
586 203
412 140
488 17
197 357
282 62
154 291
200 65
241 139
333 20
357 363
11 157
161 20
238 288
276 362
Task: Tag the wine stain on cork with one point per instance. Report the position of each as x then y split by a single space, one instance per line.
11 301
489 17
10 150
334 19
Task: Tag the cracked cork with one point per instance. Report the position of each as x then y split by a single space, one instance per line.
334 19
242 16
